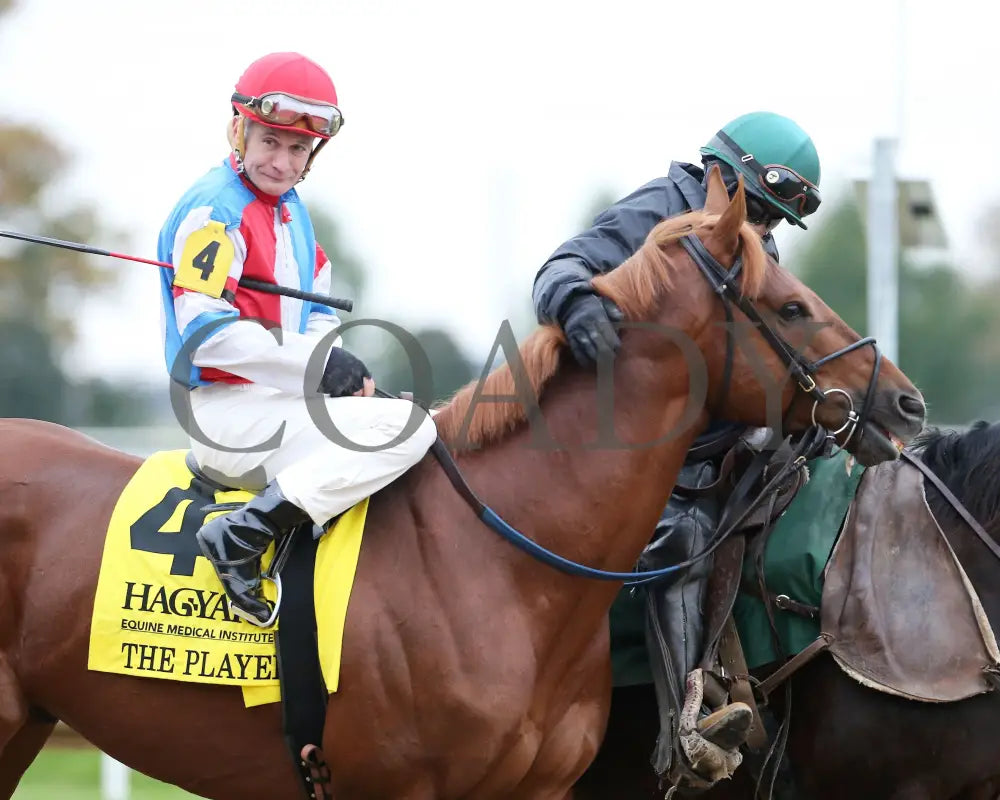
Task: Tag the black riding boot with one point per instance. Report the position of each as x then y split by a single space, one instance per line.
674 624
235 542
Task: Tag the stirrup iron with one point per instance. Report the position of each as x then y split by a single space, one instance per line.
239 612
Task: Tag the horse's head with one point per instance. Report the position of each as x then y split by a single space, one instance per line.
773 349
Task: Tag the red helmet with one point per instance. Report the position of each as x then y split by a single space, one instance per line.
290 92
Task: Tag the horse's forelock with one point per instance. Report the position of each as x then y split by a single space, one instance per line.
969 464
637 286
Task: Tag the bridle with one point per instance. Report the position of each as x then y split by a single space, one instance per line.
725 284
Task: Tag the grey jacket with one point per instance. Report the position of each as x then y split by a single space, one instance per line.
615 235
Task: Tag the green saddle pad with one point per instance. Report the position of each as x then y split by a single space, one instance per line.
794 560
629 659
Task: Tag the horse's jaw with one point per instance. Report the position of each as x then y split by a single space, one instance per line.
888 429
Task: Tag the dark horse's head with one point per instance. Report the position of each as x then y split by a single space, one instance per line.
969 464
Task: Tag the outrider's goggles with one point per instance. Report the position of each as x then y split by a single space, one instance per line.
781 182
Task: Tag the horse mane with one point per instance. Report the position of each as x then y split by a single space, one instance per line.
638 289
968 462
635 287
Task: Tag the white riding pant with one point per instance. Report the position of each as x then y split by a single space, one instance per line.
314 464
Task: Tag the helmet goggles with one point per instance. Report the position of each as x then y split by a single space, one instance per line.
279 108
781 182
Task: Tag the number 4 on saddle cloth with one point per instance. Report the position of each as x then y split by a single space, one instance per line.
159 611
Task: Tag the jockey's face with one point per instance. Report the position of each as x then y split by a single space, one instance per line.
275 159
764 228
761 216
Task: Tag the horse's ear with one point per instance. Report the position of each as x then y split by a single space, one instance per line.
717 200
727 230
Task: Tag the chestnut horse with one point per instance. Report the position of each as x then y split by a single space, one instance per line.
848 741
469 669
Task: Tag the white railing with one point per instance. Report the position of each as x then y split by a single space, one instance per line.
115 779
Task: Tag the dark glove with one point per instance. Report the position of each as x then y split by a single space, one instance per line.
344 374
587 324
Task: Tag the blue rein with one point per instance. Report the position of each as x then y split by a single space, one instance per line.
577 570
811 443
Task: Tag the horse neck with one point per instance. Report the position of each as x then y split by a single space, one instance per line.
981 565
589 498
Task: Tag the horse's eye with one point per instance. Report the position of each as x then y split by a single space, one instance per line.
793 311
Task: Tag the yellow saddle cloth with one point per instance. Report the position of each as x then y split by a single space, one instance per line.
160 611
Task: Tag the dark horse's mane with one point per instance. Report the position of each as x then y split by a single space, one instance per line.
969 464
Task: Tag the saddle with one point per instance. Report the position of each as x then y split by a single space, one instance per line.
898 613
723 663
898 608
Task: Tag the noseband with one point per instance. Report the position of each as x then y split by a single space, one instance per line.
725 284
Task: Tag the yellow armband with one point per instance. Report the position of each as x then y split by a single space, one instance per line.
204 266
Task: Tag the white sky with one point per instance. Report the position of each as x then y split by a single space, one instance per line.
478 134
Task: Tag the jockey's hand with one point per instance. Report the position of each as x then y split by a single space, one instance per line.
345 374
587 324
368 390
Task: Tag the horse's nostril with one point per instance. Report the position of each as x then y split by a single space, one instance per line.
913 406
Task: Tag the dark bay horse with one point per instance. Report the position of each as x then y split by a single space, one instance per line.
469 670
848 741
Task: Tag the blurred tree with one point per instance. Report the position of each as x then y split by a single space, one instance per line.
31 383
41 287
947 330
98 402
450 367
38 283
989 232
349 279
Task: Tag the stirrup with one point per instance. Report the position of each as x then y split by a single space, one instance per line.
727 727
702 762
239 612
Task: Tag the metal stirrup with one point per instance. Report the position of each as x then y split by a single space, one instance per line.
239 612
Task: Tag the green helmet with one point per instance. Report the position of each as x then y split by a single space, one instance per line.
777 159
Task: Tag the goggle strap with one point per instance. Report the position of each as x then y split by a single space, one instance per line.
747 158
239 147
743 155
312 155
243 99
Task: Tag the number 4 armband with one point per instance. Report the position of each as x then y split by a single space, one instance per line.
205 261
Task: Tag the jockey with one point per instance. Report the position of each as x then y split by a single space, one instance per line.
250 360
781 171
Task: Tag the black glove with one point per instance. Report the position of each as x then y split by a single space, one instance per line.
587 323
344 374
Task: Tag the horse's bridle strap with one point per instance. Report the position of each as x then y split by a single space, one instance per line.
723 283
